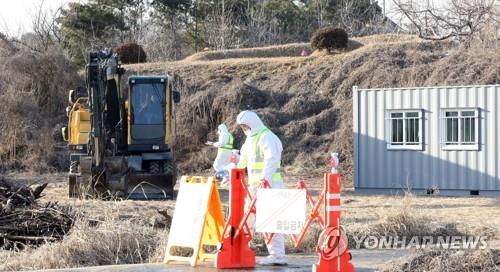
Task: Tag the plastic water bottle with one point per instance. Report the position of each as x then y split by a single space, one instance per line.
334 162
235 157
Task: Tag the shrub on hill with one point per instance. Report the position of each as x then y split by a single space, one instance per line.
329 38
131 53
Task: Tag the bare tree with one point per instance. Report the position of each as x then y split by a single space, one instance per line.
259 30
45 29
462 19
320 12
356 22
264 27
222 28
161 43
6 46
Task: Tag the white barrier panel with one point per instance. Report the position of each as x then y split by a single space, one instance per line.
280 210
190 212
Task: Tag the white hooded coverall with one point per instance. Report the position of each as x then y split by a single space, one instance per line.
271 147
223 158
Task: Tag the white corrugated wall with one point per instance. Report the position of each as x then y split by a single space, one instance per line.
376 167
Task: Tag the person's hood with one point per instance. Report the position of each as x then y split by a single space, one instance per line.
250 119
222 129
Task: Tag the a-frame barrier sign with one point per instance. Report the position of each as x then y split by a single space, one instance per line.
197 221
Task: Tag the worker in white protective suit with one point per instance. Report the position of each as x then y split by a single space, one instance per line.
224 146
261 155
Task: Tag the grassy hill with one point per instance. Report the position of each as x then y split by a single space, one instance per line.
307 100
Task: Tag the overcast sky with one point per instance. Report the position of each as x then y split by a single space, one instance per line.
16 16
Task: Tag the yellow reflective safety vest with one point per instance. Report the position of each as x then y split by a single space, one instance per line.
256 161
229 146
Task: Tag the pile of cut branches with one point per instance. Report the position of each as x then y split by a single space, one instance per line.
24 222
16 195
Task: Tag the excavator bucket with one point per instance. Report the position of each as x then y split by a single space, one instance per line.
150 186
135 186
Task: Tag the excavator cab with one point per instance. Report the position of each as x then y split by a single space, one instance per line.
149 120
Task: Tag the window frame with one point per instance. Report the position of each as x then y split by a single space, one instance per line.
460 144
404 145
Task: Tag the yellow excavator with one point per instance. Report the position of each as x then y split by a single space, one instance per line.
121 139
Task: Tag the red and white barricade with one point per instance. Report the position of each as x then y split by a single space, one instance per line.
334 256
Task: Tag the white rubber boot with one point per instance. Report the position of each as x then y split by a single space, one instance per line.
272 260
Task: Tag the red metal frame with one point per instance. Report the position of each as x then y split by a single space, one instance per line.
234 250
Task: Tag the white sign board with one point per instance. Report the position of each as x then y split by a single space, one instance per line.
280 210
189 214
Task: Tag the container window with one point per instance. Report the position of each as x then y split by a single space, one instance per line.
405 130
460 129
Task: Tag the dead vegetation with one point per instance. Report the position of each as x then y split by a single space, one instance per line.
109 242
487 260
6 47
135 231
329 38
405 225
13 195
275 51
131 53
103 233
306 101
33 91
406 217
404 220
287 50
40 224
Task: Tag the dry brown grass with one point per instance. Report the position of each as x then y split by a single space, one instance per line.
295 49
487 260
403 219
105 232
388 38
33 93
92 243
6 46
409 216
136 234
404 216
306 101
286 50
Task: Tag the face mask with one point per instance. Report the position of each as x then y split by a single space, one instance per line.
247 132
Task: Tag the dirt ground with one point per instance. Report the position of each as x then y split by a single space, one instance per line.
469 213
